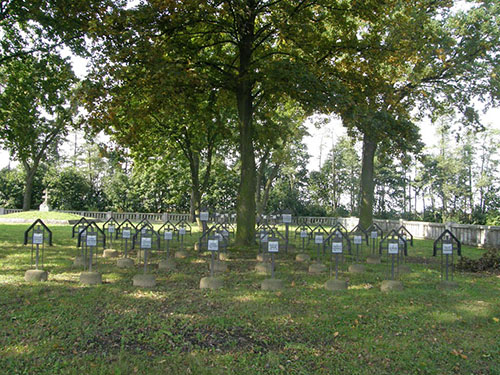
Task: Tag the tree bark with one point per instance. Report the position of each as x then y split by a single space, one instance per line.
245 205
245 209
367 183
28 188
195 199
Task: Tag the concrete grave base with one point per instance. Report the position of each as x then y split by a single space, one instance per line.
90 278
373 259
316 268
225 256
167 264
36 275
403 268
447 285
333 285
211 283
125 263
181 254
357 268
110 253
263 268
272 284
391 285
263 257
219 266
302 257
144 280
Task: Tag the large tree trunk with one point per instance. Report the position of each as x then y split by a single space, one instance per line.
245 206
245 209
195 199
28 188
367 183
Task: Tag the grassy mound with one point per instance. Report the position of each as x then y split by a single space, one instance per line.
52 215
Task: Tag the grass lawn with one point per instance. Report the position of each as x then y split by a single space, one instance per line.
33 215
61 327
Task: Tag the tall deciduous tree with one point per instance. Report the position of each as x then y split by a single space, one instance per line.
410 53
257 51
35 110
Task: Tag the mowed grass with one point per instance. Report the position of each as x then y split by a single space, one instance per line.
61 327
33 215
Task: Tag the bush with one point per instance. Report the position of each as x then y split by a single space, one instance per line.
489 262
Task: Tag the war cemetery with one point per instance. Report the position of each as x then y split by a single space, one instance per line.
249 187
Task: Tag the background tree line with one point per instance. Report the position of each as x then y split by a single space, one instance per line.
457 180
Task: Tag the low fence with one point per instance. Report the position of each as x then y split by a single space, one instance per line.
476 235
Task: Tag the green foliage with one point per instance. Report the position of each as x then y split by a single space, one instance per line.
34 102
12 182
223 187
42 26
70 189
336 185
11 188
35 110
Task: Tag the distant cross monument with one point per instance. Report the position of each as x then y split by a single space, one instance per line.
45 207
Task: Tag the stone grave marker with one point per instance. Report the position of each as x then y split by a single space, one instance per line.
183 229
405 238
318 267
447 245
109 228
222 233
89 239
37 235
391 243
145 230
358 238
303 232
80 224
125 232
272 283
338 242
148 239
376 234
45 206
286 217
166 232
212 282
81 258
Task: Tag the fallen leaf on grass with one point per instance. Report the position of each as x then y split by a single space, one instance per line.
459 353
496 320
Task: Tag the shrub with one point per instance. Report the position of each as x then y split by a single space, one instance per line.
489 262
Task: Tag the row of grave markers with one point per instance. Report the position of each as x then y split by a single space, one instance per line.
89 231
